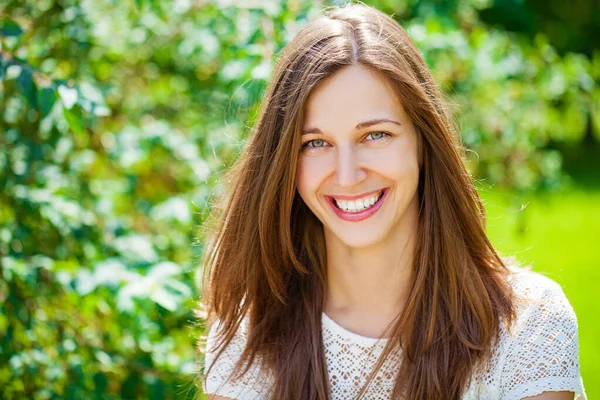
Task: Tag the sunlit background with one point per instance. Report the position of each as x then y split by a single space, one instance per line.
117 118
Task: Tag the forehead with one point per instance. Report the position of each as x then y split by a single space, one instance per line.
353 94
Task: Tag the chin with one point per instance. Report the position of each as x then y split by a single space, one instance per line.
356 239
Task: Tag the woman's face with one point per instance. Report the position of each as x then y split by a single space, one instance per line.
359 165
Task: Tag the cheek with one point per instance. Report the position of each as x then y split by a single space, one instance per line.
398 162
312 172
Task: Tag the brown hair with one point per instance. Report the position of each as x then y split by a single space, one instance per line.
266 259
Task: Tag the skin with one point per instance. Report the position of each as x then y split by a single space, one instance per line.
368 261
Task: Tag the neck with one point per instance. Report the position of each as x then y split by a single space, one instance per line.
371 283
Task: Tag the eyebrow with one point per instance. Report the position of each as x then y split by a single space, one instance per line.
360 125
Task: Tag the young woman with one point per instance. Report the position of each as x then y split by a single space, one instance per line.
351 260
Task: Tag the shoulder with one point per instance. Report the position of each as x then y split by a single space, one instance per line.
220 369
544 314
541 352
531 287
541 305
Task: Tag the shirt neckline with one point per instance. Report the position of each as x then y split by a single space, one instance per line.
354 337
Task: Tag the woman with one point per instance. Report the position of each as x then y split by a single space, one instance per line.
350 259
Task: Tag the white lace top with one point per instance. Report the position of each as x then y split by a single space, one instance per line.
540 355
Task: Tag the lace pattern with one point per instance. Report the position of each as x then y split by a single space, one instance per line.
539 354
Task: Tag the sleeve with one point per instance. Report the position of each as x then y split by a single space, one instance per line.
253 385
543 352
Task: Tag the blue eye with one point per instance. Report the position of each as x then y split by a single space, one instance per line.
377 135
314 143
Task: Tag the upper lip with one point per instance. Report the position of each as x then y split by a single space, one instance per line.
354 197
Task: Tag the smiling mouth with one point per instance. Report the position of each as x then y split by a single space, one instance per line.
359 205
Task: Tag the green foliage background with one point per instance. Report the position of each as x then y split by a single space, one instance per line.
117 118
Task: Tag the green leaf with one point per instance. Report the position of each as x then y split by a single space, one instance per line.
46 98
25 81
8 27
100 382
75 119
3 66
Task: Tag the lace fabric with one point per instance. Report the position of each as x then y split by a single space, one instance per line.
540 353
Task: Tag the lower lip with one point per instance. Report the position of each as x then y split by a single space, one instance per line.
357 216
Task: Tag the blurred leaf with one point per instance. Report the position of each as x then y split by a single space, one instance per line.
75 119
165 299
46 99
136 247
3 66
68 96
91 100
25 81
180 287
163 270
9 27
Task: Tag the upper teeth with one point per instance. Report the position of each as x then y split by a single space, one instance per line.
358 204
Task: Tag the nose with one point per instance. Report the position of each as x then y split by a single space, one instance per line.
349 171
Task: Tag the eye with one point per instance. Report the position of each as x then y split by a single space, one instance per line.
314 143
377 135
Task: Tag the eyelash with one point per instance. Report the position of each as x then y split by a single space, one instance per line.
306 144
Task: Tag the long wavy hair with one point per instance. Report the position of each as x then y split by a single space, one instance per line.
266 257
